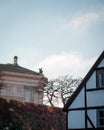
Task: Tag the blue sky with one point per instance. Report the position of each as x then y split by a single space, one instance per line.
62 37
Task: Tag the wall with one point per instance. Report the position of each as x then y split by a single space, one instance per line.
94 98
79 101
76 119
23 88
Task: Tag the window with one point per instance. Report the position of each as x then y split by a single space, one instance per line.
100 78
8 89
18 89
100 119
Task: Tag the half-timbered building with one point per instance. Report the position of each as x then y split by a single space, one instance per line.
85 108
19 83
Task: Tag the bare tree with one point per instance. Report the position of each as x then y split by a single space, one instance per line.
58 90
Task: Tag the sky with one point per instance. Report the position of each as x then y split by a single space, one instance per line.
63 37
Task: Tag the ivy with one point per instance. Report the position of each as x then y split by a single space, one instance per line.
15 125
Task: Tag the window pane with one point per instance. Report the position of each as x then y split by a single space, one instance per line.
101 123
100 118
100 78
103 78
101 114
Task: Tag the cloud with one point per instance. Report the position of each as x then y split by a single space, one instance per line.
62 64
83 21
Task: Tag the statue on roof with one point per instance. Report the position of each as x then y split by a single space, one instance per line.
40 71
15 60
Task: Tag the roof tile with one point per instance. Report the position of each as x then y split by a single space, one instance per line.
16 68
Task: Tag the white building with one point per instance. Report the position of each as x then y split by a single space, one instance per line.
85 109
19 83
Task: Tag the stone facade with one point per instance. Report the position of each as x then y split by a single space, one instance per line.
19 83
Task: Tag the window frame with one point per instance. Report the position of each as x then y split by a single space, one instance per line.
100 79
98 118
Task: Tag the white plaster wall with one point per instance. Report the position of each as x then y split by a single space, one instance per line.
13 91
101 64
76 119
7 91
32 76
15 82
19 91
92 81
79 100
20 80
95 98
92 116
